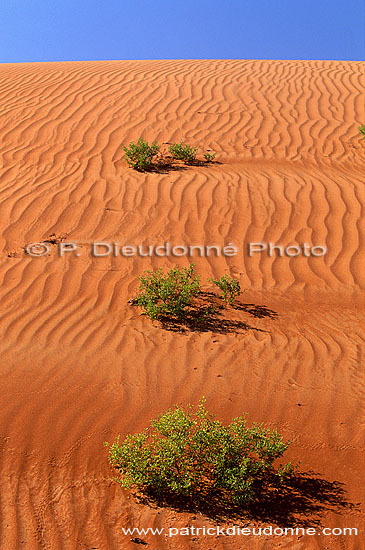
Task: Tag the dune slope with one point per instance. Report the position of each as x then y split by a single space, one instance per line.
79 365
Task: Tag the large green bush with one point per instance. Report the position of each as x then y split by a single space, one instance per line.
186 451
167 294
139 156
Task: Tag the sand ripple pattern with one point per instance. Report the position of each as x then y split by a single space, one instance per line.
78 365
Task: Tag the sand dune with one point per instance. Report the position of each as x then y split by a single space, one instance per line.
80 365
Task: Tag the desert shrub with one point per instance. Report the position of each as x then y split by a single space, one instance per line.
362 130
229 286
139 156
179 151
209 157
167 294
186 451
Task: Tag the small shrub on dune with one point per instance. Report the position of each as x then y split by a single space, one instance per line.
179 151
209 157
229 286
362 130
186 451
139 156
167 294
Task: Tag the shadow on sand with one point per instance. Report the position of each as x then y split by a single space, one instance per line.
256 311
168 164
206 315
297 502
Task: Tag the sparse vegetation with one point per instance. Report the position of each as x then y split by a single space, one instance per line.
169 294
229 286
139 156
179 151
176 297
209 157
362 130
186 451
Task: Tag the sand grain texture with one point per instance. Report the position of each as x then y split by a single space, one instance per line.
79 365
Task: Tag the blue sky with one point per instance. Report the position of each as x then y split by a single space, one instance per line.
76 30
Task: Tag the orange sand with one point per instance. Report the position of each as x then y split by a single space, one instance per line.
79 365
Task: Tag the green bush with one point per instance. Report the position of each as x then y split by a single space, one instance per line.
209 157
362 130
229 286
186 451
139 156
167 294
179 151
